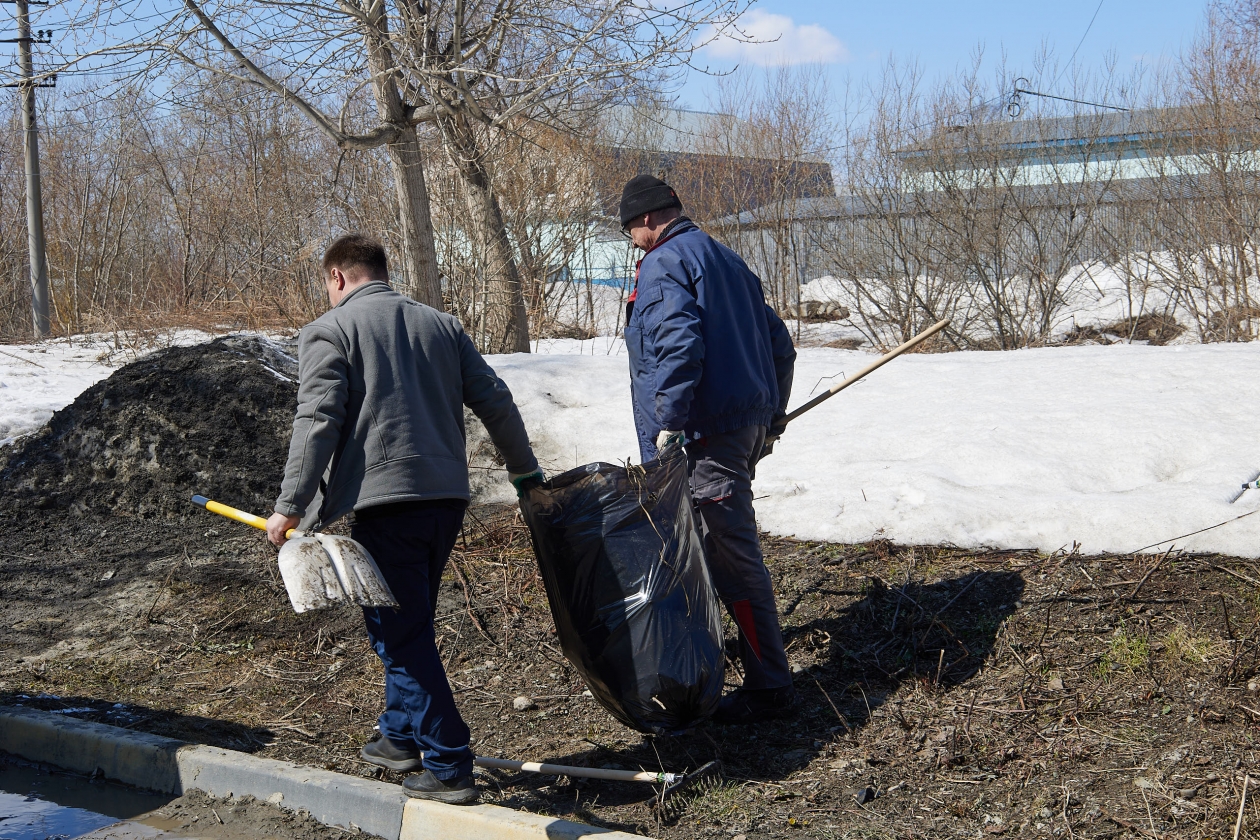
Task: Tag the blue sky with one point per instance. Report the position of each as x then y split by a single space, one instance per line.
855 39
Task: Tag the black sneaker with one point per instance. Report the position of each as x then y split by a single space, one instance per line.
462 791
388 754
753 705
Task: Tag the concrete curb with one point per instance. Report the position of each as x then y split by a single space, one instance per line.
171 766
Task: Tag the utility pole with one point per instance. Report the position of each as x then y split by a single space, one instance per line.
34 195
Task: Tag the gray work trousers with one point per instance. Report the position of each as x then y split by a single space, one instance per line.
721 469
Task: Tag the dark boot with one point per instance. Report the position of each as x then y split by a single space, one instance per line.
392 756
462 791
753 705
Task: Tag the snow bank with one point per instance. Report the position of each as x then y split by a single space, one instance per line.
1112 447
37 380
1094 296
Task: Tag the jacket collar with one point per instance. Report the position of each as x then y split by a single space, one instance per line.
680 225
372 288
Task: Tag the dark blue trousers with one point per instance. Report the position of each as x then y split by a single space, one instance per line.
721 470
411 543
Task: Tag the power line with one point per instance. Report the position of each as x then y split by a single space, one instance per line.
1079 43
1014 107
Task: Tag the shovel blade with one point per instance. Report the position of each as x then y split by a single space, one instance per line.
360 577
309 575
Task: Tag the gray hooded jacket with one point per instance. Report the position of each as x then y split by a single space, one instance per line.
382 385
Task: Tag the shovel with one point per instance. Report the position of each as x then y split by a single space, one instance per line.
319 570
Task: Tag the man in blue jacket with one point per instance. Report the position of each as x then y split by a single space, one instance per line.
711 369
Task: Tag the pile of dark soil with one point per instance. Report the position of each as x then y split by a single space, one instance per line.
213 419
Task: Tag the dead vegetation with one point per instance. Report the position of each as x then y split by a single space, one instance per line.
944 691
1155 330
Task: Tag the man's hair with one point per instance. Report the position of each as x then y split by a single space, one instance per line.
356 251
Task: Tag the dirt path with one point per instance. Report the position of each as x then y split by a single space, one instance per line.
952 691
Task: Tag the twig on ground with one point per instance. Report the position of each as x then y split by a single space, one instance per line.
1249 710
1123 823
20 359
1242 804
459 573
843 722
289 713
1241 577
1149 815
1152 571
1067 799
1229 631
869 713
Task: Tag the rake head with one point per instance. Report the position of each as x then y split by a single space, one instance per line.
673 800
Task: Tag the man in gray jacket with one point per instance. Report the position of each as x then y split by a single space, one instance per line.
380 432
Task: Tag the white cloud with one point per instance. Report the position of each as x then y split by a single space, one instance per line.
783 41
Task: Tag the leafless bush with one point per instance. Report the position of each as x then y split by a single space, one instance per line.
786 119
213 214
956 211
1203 177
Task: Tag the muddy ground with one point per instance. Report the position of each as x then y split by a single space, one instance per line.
195 815
1075 696
945 692
200 817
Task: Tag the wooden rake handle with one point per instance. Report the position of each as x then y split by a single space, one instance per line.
878 363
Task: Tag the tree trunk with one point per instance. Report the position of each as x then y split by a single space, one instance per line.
419 256
507 321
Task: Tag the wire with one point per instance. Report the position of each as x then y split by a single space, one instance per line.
1079 43
1019 89
1192 533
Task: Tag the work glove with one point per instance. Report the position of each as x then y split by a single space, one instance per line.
524 482
776 430
665 438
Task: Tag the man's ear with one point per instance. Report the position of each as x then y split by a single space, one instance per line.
338 277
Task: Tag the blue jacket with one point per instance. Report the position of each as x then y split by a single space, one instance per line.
707 355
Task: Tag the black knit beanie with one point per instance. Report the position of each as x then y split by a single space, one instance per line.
644 194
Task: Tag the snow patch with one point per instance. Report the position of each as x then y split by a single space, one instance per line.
1113 447
1110 447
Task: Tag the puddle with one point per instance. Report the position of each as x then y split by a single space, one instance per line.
36 804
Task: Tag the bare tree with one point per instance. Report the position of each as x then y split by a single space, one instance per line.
768 150
1213 245
881 247
955 209
466 67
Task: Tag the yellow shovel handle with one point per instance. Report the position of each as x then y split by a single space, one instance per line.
232 513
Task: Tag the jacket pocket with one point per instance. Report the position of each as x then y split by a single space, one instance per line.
713 490
377 437
634 346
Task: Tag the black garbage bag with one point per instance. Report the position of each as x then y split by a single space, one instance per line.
634 607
